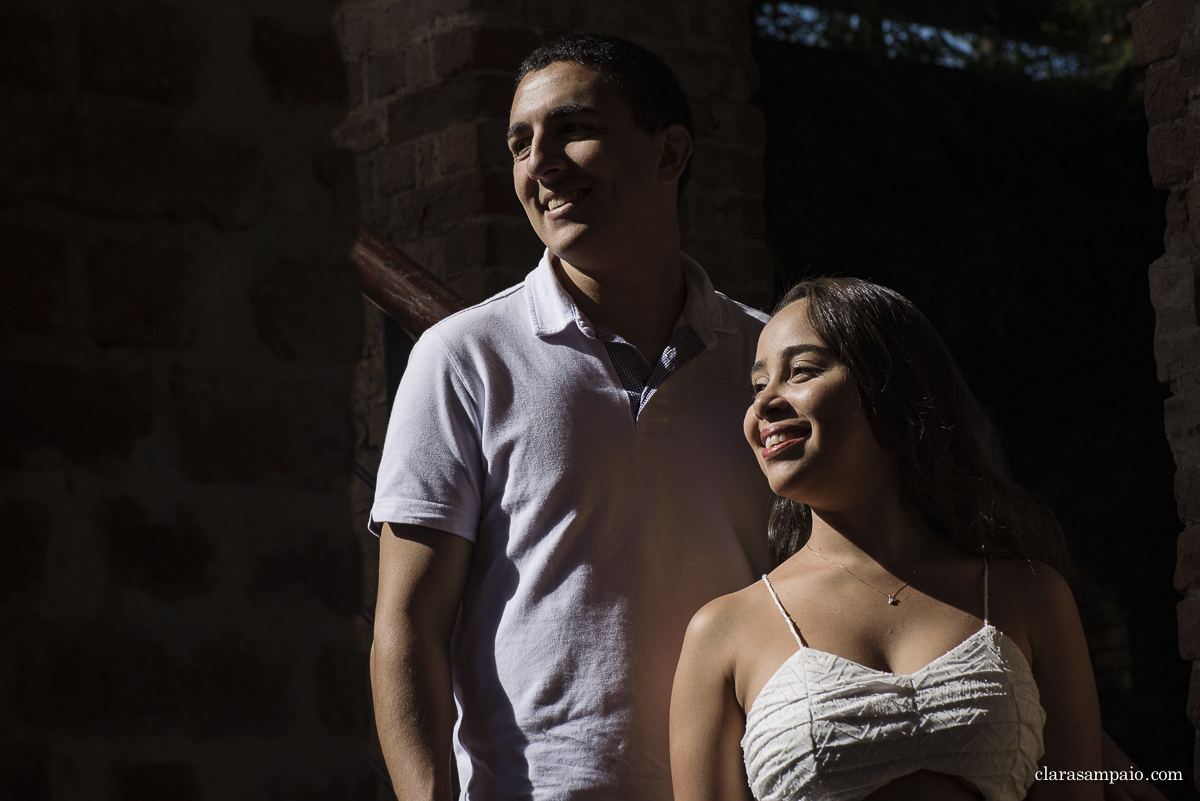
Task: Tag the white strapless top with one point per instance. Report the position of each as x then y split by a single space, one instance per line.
824 728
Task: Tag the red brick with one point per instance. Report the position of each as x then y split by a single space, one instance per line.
308 310
33 279
1187 564
386 72
154 781
439 206
1157 27
89 416
299 66
373 27
458 149
418 65
487 48
361 131
237 427
394 169
146 50
425 158
168 560
26 526
356 84
137 293
460 99
1171 153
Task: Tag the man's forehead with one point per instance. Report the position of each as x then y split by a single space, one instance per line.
561 85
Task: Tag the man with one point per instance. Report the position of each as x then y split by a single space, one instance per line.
565 482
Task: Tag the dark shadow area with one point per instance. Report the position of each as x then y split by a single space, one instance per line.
1020 217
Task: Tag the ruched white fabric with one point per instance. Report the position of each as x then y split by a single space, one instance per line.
824 728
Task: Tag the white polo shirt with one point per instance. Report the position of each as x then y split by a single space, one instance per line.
597 537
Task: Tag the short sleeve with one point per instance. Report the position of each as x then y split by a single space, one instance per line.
431 471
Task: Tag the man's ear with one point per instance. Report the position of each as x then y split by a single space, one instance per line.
676 151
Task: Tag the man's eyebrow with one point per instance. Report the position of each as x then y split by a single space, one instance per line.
792 351
565 110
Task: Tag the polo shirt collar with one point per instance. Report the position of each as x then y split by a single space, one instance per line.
551 309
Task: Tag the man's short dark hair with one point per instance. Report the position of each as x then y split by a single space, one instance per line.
654 93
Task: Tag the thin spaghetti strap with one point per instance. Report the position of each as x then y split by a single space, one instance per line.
791 623
985 590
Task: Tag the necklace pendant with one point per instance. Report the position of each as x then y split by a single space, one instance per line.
892 600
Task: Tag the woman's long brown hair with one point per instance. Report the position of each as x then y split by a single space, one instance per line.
919 407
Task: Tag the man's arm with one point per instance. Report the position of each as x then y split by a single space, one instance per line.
421 576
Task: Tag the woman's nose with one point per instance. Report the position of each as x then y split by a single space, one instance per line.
766 399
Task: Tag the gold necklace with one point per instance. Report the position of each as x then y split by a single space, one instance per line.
891 596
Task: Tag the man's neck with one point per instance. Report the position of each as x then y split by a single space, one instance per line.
639 302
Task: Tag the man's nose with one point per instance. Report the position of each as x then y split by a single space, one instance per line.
544 158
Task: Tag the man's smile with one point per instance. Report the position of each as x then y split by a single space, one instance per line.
555 201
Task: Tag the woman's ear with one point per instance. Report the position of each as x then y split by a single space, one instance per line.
676 151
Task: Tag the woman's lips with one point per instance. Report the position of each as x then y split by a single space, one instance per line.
774 450
778 438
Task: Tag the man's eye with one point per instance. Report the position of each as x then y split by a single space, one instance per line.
519 147
757 387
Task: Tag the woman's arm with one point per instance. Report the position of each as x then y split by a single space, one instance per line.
706 720
1066 685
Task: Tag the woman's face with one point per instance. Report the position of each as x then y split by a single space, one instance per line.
807 425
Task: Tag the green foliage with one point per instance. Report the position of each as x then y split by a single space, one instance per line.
1099 29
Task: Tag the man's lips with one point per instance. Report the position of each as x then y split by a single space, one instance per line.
781 436
553 202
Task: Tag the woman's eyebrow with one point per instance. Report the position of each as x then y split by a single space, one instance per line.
790 352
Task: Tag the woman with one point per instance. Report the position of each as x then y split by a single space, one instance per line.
918 639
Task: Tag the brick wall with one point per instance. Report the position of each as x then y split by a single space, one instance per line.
178 337
1167 43
431 85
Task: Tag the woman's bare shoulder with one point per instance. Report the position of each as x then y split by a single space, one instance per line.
1030 580
724 621
1033 596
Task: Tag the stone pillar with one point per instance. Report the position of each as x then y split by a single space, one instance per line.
178 334
1167 43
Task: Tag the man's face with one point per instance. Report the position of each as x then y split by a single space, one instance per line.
587 174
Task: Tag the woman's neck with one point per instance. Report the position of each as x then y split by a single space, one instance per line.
888 534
